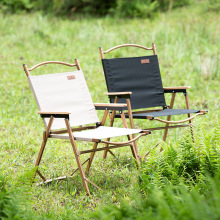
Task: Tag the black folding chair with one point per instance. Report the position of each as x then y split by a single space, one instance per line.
137 81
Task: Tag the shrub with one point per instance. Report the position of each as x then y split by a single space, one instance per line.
136 8
9 208
214 5
180 183
166 5
16 5
179 202
125 8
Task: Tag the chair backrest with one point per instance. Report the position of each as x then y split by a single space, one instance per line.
139 75
63 92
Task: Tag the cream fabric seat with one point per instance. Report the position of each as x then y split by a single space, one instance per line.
64 92
103 132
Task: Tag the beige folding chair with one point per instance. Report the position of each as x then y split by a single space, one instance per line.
67 109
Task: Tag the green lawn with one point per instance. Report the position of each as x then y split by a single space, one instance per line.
188 47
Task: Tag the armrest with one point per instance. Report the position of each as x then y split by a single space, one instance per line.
54 114
109 106
175 89
118 94
204 111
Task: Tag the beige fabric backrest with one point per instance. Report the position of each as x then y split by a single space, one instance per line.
64 92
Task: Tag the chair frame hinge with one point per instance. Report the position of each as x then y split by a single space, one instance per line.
98 124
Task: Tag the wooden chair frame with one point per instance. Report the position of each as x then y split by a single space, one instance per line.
177 89
48 133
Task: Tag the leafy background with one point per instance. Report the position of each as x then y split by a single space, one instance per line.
179 183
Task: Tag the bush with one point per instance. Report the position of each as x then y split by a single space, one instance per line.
16 5
97 7
180 183
166 5
9 208
125 8
169 203
136 8
214 5
147 8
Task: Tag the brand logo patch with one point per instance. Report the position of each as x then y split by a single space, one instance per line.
71 77
145 61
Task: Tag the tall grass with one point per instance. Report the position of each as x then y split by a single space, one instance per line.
187 43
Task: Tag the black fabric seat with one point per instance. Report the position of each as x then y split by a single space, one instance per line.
130 74
165 112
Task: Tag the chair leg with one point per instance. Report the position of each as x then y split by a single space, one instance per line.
166 129
133 149
132 124
190 121
108 139
95 145
168 119
82 173
41 152
112 118
39 159
45 137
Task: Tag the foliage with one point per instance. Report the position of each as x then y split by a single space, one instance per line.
137 8
97 7
134 8
214 5
188 51
147 8
180 184
166 5
9 205
185 164
16 5
170 202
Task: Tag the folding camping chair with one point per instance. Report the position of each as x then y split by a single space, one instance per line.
137 81
66 107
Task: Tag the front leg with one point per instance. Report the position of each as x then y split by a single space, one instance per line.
168 118
190 121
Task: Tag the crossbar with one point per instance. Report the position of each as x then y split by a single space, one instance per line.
103 148
73 129
50 180
78 167
174 126
93 184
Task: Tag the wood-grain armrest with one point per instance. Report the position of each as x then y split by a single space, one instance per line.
146 131
57 113
118 94
54 114
109 106
204 111
175 89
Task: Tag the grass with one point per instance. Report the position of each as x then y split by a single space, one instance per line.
188 48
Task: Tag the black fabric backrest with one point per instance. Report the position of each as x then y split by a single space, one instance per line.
139 75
